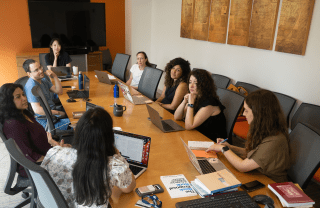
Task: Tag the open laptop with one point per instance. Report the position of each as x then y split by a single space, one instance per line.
135 149
164 125
204 165
63 73
104 77
134 99
81 94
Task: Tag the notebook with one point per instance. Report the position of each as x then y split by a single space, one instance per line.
204 165
164 125
135 149
134 99
63 73
104 77
81 94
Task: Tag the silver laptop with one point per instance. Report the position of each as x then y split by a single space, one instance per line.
63 73
135 149
206 165
164 125
104 78
134 99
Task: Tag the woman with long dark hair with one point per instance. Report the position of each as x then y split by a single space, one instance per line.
201 108
57 55
87 173
175 84
267 145
20 124
137 69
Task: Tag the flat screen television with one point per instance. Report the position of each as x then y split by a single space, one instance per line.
78 24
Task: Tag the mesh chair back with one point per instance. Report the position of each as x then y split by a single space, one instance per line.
304 147
233 103
249 87
22 81
307 114
220 80
43 61
106 59
119 66
153 65
48 192
149 82
287 103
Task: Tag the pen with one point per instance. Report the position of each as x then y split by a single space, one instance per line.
223 141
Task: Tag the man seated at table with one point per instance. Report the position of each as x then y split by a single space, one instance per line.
36 77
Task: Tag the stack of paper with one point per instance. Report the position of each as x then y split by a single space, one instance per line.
199 145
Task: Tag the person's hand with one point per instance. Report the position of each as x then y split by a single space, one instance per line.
219 140
215 147
56 54
192 98
50 73
62 144
51 141
160 103
117 151
186 98
61 113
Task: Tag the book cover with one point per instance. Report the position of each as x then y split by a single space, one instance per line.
290 195
177 186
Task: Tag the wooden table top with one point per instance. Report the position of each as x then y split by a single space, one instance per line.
167 153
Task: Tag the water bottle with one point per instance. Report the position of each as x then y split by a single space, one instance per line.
80 81
116 91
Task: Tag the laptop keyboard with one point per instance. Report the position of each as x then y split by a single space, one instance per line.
77 94
166 126
240 199
135 169
206 167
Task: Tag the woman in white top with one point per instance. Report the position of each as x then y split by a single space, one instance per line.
137 69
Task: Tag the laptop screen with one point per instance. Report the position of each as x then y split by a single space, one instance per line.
135 148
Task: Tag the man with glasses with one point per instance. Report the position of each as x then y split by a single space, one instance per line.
37 77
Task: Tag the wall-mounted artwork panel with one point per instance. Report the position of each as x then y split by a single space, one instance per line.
201 19
187 9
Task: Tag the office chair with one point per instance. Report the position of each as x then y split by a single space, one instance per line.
119 66
309 115
19 186
304 147
46 190
22 81
106 60
249 87
233 103
220 80
153 65
287 103
57 134
149 82
42 61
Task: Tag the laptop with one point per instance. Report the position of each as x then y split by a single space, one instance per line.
81 94
164 125
204 165
135 149
104 77
63 73
134 99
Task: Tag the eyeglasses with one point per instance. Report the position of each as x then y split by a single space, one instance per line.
156 202
37 70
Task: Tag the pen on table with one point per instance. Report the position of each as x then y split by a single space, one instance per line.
223 141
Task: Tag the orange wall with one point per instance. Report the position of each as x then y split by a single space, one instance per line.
15 35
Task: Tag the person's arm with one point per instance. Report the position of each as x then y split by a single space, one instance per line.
180 112
130 80
36 107
162 95
241 152
68 65
57 87
131 186
55 61
181 91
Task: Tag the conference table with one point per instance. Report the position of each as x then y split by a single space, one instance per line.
167 153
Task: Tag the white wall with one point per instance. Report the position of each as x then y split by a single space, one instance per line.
156 29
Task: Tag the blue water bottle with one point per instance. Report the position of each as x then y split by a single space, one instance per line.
80 81
116 91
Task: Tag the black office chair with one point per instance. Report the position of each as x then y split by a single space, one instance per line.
153 65
304 146
119 66
43 61
21 184
149 82
57 134
46 190
220 80
287 103
233 103
249 87
309 115
106 60
22 81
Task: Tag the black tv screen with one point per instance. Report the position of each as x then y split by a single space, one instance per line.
77 24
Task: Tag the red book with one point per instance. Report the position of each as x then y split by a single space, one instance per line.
291 195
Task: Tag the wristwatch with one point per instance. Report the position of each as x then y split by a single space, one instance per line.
190 105
224 149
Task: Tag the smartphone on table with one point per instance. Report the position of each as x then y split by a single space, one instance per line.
253 185
148 190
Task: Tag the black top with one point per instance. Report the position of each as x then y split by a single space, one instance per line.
63 59
215 126
169 95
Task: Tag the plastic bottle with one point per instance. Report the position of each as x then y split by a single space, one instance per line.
80 81
116 91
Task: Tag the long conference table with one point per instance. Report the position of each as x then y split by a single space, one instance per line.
167 153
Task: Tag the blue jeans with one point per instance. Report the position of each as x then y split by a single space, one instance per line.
61 123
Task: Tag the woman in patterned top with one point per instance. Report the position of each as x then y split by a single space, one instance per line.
87 173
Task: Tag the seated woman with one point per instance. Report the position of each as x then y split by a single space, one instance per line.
267 147
20 125
57 55
88 173
175 84
137 69
201 108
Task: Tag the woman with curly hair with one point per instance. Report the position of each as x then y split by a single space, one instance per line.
201 108
267 146
175 85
